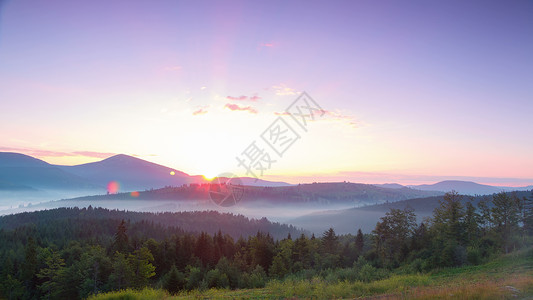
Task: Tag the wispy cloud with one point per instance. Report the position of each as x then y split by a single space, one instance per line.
342 117
240 98
200 111
235 107
337 116
283 90
254 98
283 113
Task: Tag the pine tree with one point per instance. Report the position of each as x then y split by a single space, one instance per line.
50 274
122 273
449 216
330 242
29 267
204 249
528 215
174 281
120 243
471 224
359 242
278 268
392 234
505 214
141 264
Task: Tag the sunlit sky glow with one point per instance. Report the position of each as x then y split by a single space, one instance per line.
416 91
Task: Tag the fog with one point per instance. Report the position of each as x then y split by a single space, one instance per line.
256 209
11 200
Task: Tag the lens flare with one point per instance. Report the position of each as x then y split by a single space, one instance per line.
134 194
113 187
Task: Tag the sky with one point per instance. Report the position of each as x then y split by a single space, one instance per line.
408 91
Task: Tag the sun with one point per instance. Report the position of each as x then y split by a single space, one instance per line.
210 175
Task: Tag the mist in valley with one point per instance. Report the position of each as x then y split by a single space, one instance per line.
17 202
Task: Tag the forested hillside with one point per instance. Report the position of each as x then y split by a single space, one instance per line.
73 253
332 192
365 217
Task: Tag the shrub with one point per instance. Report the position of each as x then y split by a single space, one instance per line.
215 279
473 256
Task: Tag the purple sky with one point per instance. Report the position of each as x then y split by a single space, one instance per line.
413 88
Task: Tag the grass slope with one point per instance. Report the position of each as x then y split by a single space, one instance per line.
507 277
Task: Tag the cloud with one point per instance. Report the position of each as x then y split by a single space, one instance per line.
235 107
254 98
332 116
283 113
200 111
50 153
283 90
240 98
342 117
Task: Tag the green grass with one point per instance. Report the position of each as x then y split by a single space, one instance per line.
507 277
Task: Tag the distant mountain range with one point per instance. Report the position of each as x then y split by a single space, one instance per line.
462 187
23 172
130 172
19 172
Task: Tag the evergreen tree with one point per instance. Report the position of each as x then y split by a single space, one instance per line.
141 265
471 224
50 274
392 234
30 265
204 249
528 215
359 242
174 281
330 242
278 269
121 238
449 216
505 214
122 274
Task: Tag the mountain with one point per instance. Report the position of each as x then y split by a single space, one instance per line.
462 187
23 172
19 172
130 172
